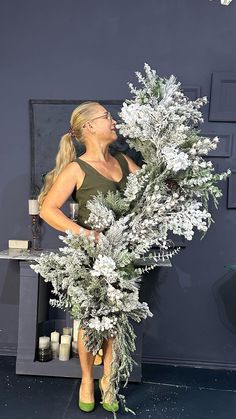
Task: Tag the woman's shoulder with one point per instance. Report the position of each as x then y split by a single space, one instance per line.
121 155
133 167
73 166
73 169
121 159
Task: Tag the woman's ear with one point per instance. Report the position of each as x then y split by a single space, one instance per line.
90 127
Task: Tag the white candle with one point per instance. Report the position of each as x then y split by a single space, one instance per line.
74 211
64 352
66 339
33 207
75 346
44 342
67 330
75 352
55 336
55 349
75 330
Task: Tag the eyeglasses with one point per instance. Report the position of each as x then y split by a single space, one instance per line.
107 115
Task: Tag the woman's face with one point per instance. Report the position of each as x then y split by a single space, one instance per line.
104 125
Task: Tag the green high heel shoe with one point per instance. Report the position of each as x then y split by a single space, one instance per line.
110 407
86 407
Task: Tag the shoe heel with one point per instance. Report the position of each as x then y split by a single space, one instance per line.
110 407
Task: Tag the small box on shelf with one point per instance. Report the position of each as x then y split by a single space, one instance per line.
18 244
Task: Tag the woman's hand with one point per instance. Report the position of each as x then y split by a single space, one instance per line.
95 234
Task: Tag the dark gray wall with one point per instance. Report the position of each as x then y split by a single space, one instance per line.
84 50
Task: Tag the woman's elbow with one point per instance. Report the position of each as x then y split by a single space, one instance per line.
43 212
47 212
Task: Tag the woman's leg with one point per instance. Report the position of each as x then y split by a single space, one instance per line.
107 355
86 363
107 359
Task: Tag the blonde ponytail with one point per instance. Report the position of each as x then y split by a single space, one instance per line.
66 150
66 154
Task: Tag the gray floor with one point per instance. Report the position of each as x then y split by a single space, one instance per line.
166 392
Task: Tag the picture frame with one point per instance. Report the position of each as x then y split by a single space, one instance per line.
223 98
193 92
231 195
224 148
49 120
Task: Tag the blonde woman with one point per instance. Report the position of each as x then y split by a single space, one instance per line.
96 170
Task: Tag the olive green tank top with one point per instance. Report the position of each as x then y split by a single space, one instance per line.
93 183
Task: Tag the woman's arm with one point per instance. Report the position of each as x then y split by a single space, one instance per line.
60 191
133 167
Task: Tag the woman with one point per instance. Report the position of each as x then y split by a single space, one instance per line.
96 170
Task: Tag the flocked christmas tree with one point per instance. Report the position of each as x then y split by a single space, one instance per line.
99 283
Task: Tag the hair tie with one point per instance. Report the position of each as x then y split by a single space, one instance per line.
71 132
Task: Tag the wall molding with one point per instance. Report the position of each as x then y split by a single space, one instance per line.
225 144
223 96
231 192
8 350
193 92
177 362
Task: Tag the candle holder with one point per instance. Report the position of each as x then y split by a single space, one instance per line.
35 228
35 224
44 354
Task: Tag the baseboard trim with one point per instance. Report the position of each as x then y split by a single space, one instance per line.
10 350
194 363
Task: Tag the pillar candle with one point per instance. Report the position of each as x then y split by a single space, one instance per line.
55 349
75 330
75 346
44 342
67 330
66 339
75 349
55 336
64 352
33 206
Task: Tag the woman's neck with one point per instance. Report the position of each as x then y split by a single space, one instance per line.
97 152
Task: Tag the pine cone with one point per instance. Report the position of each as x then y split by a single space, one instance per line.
171 184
